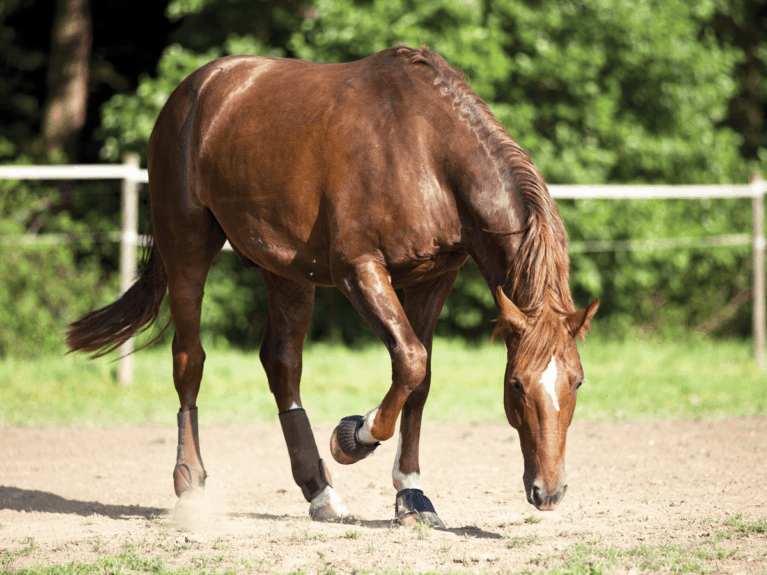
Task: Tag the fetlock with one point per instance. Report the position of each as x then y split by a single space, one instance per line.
189 473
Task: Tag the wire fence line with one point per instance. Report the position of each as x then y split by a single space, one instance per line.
133 176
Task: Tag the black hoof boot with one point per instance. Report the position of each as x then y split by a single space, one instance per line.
412 506
344 446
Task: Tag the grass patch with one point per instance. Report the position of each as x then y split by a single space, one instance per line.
592 558
624 381
738 527
533 539
7 556
680 380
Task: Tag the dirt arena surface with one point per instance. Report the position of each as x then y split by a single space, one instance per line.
658 496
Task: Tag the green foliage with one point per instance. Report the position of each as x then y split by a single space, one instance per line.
596 90
44 287
665 291
42 292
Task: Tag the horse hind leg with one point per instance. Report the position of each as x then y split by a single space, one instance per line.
290 311
188 255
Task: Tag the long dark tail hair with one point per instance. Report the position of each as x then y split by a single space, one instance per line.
106 329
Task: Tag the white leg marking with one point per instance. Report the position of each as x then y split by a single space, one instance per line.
293 405
402 481
364 435
329 503
549 380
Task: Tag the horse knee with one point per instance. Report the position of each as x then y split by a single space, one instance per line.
412 365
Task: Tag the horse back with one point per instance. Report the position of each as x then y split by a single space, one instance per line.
297 157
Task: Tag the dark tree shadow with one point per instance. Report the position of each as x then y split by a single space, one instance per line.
32 500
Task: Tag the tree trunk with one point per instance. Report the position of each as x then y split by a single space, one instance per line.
68 71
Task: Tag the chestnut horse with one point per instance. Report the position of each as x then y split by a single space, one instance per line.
368 176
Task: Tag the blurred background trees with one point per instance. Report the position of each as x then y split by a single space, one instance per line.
597 91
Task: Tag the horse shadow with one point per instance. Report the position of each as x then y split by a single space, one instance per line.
30 500
465 531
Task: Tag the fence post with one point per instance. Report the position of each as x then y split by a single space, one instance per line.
128 243
758 186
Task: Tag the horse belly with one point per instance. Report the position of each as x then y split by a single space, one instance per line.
269 246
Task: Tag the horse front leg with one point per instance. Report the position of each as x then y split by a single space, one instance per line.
290 312
423 304
368 287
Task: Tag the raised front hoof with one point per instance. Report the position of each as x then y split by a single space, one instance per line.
328 507
412 507
344 446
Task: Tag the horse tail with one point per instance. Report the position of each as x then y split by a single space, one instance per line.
106 329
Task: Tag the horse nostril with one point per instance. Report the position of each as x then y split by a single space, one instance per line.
544 500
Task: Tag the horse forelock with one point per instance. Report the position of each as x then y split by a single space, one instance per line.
539 342
538 278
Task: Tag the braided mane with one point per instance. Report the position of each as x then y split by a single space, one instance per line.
537 281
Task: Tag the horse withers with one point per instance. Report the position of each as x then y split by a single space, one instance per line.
368 176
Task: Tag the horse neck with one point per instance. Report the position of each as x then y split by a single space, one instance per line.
511 225
492 212
516 236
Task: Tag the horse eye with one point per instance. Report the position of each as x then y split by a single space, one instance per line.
578 385
517 385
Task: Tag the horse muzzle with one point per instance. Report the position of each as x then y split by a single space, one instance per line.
545 499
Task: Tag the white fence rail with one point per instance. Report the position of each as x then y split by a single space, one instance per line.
132 176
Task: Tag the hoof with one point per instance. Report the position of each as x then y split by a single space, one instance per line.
412 507
343 442
328 506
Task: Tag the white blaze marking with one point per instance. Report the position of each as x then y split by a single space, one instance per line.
364 435
402 481
549 379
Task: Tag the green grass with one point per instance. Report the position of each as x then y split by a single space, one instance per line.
583 558
7 557
624 381
737 527
592 559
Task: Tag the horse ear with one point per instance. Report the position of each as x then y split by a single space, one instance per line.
578 323
511 318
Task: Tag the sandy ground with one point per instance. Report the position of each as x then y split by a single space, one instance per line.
661 493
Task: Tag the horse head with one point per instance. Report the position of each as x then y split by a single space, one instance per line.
543 374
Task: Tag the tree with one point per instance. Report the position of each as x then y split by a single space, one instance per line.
596 90
53 83
71 42
743 23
